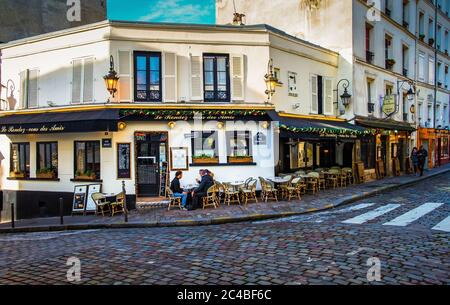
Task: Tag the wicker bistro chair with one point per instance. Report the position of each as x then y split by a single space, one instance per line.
220 191
332 178
283 187
249 191
296 188
342 178
174 201
101 204
321 183
268 191
349 174
119 205
211 197
312 182
231 194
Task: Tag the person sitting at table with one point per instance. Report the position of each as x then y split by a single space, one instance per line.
199 192
177 190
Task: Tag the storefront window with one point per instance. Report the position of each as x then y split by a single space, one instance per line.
238 143
445 147
87 158
204 144
368 146
47 157
20 159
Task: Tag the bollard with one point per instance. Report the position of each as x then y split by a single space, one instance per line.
125 209
13 225
61 212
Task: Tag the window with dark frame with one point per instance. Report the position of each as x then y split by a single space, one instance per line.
238 144
147 77
20 158
87 158
216 75
204 144
368 152
47 157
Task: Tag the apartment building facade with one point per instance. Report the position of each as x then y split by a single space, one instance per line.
390 70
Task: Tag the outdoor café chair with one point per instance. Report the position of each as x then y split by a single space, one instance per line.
231 194
332 178
268 191
283 187
101 204
249 191
211 197
295 188
312 182
173 201
349 175
119 205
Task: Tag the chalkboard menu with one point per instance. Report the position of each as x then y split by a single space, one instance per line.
164 179
79 199
123 160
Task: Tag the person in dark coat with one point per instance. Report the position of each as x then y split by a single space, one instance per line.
422 155
199 192
415 159
177 190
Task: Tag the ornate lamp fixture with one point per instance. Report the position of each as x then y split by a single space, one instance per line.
271 81
345 97
111 79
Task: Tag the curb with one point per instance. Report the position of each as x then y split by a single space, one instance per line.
217 220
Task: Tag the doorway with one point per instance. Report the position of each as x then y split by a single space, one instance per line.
151 152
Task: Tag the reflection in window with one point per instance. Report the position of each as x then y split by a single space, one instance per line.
47 157
147 76
216 78
204 144
20 159
238 143
87 159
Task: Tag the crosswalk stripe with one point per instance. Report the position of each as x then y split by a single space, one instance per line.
372 214
358 207
413 215
443 225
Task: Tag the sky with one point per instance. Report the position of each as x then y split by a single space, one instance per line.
179 11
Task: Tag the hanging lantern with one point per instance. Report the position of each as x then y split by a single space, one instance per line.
111 79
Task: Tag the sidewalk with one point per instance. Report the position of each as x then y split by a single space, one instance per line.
158 216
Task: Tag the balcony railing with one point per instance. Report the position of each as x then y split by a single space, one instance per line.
431 41
388 12
405 117
405 24
369 57
405 72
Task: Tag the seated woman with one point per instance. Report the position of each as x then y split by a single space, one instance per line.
177 190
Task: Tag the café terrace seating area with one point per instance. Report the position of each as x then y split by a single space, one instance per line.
285 187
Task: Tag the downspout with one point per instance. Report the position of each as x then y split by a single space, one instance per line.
416 71
435 68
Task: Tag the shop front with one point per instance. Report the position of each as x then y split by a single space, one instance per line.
436 142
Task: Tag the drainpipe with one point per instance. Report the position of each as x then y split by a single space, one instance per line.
435 67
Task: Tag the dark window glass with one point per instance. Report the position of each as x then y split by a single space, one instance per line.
87 158
147 75
20 158
238 143
216 77
47 157
368 152
204 143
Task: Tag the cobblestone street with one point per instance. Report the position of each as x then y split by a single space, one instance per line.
407 230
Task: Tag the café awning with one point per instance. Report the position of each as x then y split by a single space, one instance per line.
387 124
60 122
297 127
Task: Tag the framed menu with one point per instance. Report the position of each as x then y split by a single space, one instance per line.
123 160
79 199
90 204
179 158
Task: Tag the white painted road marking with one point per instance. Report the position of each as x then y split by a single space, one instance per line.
443 225
413 215
372 214
358 207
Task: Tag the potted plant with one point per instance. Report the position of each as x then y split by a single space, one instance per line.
422 37
88 175
17 174
46 173
431 41
240 159
205 159
390 62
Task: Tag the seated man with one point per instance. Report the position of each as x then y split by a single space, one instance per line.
177 190
199 192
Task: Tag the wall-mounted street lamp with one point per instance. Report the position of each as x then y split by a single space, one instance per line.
111 79
345 97
411 91
271 81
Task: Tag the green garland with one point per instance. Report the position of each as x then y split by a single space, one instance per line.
191 113
335 131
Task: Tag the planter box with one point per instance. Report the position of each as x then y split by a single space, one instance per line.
248 159
205 160
46 175
17 175
83 177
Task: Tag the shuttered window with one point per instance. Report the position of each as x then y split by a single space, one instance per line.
196 78
124 88
83 80
314 95
216 76
170 77
29 88
328 96
237 77
147 77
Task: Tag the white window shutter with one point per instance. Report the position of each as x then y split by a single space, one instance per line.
328 95
77 67
23 89
314 95
88 83
124 87
170 78
33 88
237 77
196 78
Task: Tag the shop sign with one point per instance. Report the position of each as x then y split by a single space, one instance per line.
389 105
106 143
19 129
260 139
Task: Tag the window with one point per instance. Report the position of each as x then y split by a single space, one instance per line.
445 46
421 67
446 77
421 25
204 144
20 159
47 157
83 80
389 90
368 149
431 31
147 77
321 95
439 38
29 89
431 70
405 60
216 75
292 84
238 143
370 102
390 62
406 13
369 53
87 159
440 74
387 7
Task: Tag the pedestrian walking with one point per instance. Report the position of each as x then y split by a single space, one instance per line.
422 155
415 160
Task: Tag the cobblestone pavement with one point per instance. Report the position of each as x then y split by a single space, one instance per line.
317 248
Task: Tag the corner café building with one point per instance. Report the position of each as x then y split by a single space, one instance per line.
137 145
